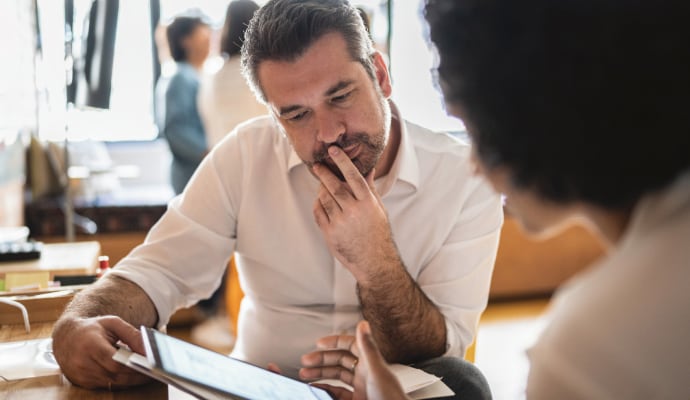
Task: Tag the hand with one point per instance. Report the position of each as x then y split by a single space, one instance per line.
353 218
371 380
335 358
84 348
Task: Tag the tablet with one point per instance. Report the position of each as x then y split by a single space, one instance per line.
222 374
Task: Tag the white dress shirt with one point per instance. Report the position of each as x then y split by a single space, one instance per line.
254 196
621 329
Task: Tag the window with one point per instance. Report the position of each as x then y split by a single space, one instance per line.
129 112
412 61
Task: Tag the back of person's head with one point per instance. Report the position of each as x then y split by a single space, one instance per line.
179 29
282 30
237 17
582 100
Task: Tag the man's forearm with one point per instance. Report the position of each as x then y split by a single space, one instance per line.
112 295
407 326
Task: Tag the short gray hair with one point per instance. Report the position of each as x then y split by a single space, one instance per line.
282 30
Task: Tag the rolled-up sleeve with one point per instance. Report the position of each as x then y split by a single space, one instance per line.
185 254
458 277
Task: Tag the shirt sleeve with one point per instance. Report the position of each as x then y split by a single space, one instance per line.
458 277
183 257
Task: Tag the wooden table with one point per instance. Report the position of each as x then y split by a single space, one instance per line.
57 386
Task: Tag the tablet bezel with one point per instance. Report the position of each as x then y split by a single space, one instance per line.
152 346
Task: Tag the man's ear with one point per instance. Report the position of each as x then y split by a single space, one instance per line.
382 76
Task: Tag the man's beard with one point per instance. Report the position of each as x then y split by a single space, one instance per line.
372 147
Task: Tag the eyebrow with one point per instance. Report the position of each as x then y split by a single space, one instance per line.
339 86
332 90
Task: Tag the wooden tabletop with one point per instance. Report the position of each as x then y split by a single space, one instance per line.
57 386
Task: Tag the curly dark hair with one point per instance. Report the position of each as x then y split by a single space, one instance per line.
237 17
284 29
582 100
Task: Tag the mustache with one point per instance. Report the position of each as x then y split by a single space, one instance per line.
321 155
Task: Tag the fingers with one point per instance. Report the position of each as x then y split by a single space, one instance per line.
334 359
326 206
341 342
273 367
354 185
117 375
336 392
124 332
341 358
334 372
87 361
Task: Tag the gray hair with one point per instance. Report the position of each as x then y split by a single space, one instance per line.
282 30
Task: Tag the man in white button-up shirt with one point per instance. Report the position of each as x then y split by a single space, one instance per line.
336 208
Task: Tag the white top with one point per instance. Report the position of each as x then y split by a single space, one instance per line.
621 330
225 100
253 195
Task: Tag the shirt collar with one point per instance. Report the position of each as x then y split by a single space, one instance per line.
405 167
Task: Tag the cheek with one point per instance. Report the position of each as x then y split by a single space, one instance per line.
301 142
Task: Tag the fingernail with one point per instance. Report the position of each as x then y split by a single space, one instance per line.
333 150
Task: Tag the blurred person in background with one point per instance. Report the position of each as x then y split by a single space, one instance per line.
189 41
225 98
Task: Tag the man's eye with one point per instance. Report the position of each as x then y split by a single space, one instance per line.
298 117
341 98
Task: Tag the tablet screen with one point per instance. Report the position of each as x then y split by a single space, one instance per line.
222 373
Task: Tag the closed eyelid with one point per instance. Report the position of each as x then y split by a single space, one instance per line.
283 111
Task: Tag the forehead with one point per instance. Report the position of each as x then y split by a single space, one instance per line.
325 63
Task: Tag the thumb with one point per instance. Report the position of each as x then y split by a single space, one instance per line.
125 332
368 348
373 379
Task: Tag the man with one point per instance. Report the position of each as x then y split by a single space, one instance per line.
336 208
578 112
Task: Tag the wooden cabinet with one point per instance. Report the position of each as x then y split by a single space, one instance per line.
528 267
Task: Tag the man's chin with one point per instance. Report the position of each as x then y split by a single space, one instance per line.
334 169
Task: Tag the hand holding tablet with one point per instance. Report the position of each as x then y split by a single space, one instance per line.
207 374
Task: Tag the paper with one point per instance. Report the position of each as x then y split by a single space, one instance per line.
176 394
27 359
19 280
416 383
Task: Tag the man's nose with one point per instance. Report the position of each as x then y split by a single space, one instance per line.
329 128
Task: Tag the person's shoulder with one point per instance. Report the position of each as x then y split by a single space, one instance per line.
259 123
257 140
257 130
